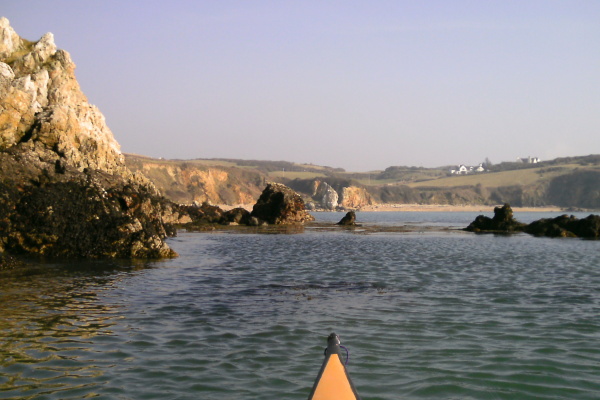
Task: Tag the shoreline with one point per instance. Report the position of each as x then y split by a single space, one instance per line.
451 208
425 208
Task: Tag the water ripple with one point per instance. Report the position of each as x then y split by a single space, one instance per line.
451 316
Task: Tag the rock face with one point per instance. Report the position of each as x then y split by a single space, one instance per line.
64 187
325 195
355 197
189 182
349 219
278 205
503 221
43 106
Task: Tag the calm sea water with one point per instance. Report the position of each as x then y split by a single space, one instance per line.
425 314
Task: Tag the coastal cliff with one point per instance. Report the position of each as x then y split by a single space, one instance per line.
195 182
65 189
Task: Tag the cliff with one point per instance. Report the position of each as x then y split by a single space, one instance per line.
65 189
192 181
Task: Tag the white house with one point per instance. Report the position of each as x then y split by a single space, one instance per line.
464 170
528 160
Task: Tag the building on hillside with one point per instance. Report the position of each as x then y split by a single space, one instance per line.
464 170
528 160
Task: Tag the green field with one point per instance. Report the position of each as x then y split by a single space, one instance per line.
296 175
522 177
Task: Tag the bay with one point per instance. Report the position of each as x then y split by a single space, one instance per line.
426 314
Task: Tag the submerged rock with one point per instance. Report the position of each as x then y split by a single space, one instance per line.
278 204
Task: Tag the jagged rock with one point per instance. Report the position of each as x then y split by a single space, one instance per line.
503 221
211 214
566 226
83 217
64 187
279 204
200 216
42 105
349 219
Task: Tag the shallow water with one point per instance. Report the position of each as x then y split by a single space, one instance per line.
425 315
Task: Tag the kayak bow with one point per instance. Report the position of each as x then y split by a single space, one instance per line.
333 381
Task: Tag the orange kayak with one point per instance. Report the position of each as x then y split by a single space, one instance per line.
333 381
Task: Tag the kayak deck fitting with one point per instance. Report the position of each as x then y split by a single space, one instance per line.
333 381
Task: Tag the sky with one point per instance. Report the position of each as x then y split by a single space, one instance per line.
359 85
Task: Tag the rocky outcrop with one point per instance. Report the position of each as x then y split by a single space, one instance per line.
64 187
566 226
207 214
82 216
503 221
42 105
279 205
349 219
562 226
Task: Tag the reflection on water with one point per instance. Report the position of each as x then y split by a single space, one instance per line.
445 314
49 315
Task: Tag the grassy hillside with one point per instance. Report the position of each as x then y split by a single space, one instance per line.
504 178
572 182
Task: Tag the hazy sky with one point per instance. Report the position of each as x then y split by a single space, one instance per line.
361 85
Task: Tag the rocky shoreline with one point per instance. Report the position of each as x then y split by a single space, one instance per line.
561 226
65 188
66 191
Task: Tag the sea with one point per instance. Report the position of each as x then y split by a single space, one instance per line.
425 310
